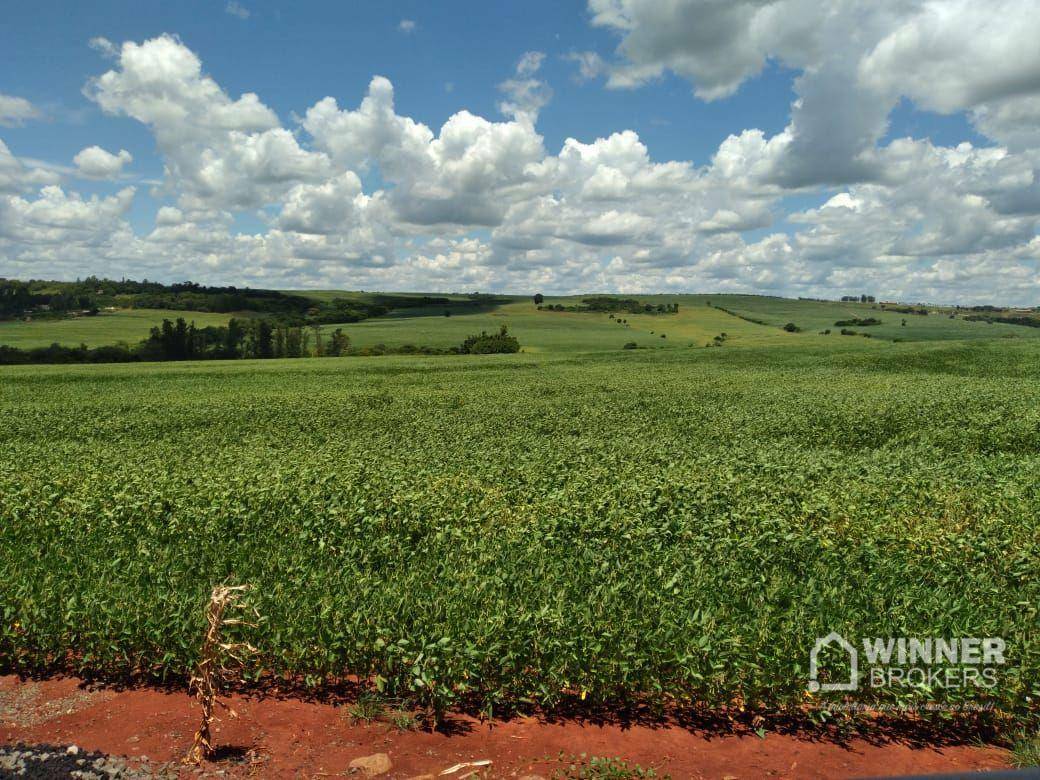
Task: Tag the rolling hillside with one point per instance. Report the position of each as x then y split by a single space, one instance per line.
743 320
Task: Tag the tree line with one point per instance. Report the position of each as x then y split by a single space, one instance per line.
44 299
243 339
609 303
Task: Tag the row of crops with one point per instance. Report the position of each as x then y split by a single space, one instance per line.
514 530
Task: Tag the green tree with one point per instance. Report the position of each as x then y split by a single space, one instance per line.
319 347
264 344
339 343
293 343
486 344
279 342
234 335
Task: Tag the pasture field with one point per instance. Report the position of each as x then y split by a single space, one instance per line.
573 522
129 325
539 331
696 324
815 316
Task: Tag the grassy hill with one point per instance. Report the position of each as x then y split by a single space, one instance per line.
551 331
939 324
129 325
746 320
696 324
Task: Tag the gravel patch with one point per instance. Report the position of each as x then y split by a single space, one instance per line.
48 762
24 706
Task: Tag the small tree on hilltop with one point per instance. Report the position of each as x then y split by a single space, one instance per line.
539 299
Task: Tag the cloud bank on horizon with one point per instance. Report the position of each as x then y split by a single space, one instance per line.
481 203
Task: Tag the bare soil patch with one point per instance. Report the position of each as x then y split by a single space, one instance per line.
293 737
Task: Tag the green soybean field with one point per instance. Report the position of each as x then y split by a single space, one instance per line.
503 531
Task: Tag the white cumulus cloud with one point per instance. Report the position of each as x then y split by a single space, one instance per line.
94 162
356 192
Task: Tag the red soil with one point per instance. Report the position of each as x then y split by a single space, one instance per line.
286 737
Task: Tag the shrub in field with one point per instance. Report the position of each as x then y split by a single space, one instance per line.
485 344
861 323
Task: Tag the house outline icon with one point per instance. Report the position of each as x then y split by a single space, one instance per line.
826 641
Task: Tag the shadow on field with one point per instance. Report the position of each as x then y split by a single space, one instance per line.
456 309
916 731
876 729
231 754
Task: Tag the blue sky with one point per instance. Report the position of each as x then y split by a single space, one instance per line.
692 90
454 58
457 54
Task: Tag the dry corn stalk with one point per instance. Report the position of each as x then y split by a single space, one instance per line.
219 663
